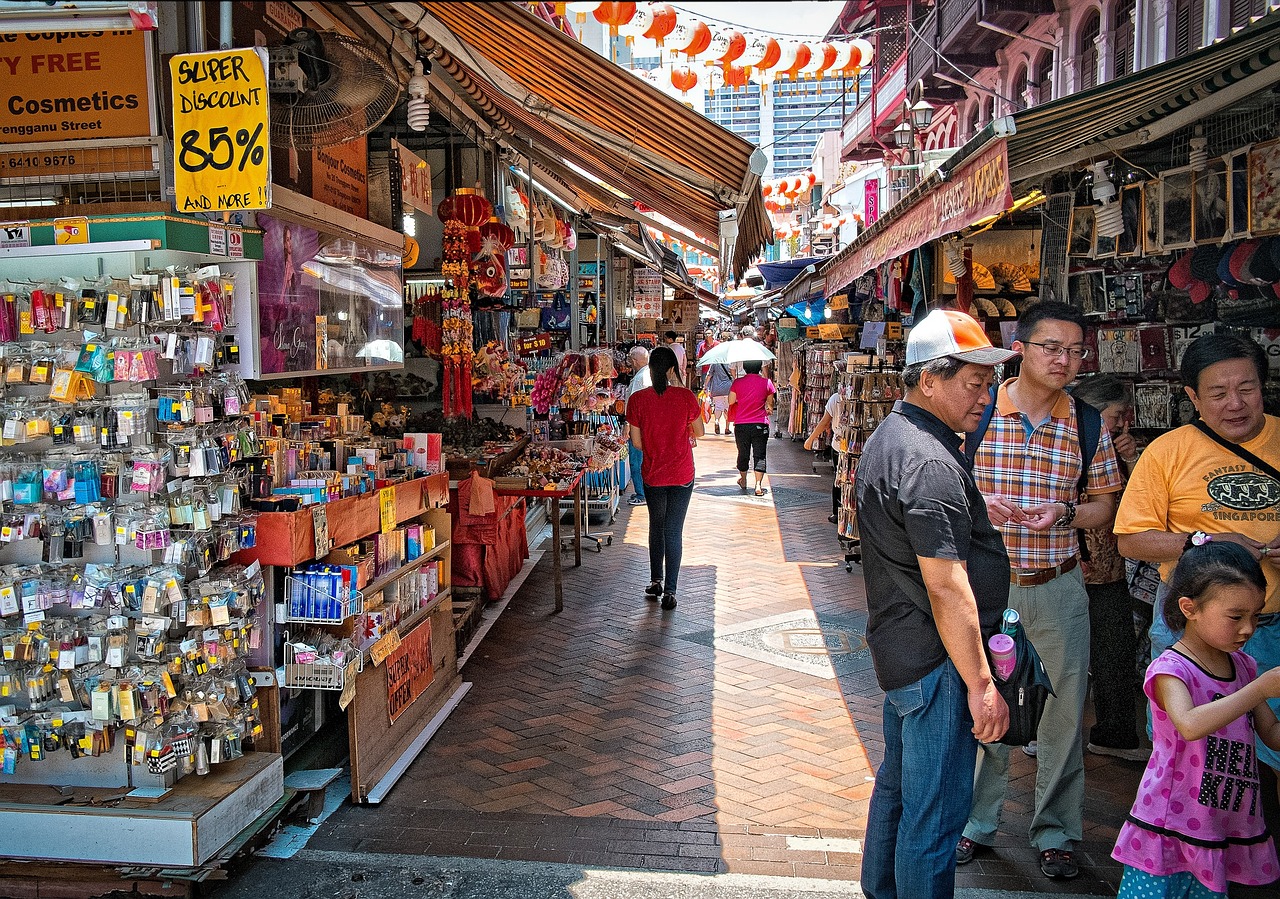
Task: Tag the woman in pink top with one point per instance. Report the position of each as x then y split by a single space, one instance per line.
1197 822
753 395
664 420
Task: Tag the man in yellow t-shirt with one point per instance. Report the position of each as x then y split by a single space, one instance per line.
1195 485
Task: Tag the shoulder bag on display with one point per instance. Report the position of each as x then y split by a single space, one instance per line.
556 316
1025 691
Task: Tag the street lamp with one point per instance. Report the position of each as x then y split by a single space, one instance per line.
921 115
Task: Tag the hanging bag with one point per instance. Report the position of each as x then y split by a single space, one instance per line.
556 316
1025 692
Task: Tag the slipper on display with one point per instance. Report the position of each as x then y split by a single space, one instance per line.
1261 267
1200 292
1224 264
1240 258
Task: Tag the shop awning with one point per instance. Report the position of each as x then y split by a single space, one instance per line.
535 83
1147 105
968 187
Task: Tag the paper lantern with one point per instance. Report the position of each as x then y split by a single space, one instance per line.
811 177
864 54
701 40
688 33
409 258
788 53
664 22
727 45
829 54
811 65
683 79
754 51
714 80
844 53
615 15
766 189
735 76
497 236
466 205
581 11
772 53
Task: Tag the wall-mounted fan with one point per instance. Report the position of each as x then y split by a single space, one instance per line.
327 89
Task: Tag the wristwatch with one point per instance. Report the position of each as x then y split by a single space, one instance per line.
1199 538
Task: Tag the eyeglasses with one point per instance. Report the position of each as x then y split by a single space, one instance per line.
1055 350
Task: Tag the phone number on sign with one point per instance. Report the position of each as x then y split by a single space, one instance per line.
53 160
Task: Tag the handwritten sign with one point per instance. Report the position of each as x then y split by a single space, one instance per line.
384 647
387 508
221 152
415 179
409 670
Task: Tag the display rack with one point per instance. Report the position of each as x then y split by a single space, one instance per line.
867 394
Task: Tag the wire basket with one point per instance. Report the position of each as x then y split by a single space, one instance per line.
304 603
317 675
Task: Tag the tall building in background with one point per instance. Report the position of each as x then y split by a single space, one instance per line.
741 112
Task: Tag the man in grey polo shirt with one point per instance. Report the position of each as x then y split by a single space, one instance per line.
937 579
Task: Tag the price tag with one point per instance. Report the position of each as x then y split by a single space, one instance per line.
384 646
221 152
387 508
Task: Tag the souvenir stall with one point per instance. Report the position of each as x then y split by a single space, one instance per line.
132 636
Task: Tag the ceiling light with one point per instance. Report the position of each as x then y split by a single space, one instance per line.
419 107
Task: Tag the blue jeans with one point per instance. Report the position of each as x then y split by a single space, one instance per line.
667 508
634 459
923 789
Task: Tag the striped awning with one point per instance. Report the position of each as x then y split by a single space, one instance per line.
536 83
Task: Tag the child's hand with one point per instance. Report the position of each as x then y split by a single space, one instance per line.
1269 683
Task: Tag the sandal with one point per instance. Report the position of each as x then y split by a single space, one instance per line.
760 491
742 481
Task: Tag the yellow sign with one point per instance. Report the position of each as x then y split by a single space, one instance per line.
839 301
221 134
71 230
385 645
68 85
387 508
830 332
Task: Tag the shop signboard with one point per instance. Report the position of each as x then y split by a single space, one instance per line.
415 179
871 188
340 176
975 190
648 293
409 670
70 86
221 145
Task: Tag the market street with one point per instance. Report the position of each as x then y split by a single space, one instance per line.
712 739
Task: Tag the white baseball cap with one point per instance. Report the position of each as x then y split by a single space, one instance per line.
947 332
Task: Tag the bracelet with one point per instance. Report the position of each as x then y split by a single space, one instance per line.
1068 516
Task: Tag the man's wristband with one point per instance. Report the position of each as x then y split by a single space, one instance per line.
1068 516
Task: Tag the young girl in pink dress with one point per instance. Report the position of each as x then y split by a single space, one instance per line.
1197 822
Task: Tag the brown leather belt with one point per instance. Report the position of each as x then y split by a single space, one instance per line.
1034 577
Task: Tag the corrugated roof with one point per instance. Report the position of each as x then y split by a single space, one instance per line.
578 105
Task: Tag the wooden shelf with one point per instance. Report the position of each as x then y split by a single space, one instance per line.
400 572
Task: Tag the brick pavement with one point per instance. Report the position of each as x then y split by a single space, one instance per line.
739 733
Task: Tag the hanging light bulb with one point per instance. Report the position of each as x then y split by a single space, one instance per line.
1108 216
1198 156
419 107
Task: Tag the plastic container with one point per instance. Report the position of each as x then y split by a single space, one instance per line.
1004 655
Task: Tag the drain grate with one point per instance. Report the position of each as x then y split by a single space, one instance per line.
788 499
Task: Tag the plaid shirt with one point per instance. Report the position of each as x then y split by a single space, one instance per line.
1040 467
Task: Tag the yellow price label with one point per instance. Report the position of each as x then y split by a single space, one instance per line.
387 509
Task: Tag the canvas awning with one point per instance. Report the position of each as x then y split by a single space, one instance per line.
533 82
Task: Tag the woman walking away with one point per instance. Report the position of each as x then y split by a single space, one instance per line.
754 395
1197 821
665 419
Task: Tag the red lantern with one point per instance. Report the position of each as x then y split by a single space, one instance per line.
766 189
803 55
683 79
664 22
728 45
829 53
813 178
466 206
735 76
701 40
772 53
497 236
614 15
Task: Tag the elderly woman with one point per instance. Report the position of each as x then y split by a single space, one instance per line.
1113 641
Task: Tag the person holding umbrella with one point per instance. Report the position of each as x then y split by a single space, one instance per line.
753 395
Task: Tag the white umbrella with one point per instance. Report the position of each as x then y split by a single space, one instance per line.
732 352
382 350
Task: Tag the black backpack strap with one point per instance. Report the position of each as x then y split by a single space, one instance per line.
974 440
1089 430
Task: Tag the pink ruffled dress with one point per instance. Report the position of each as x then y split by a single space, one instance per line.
1199 808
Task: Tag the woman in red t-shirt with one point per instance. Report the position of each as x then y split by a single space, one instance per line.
753 394
665 419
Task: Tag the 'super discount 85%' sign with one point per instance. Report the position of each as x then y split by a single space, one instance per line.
221 135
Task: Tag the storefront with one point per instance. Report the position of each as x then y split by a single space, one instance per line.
246 492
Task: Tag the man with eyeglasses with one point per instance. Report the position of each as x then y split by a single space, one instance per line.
1028 465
